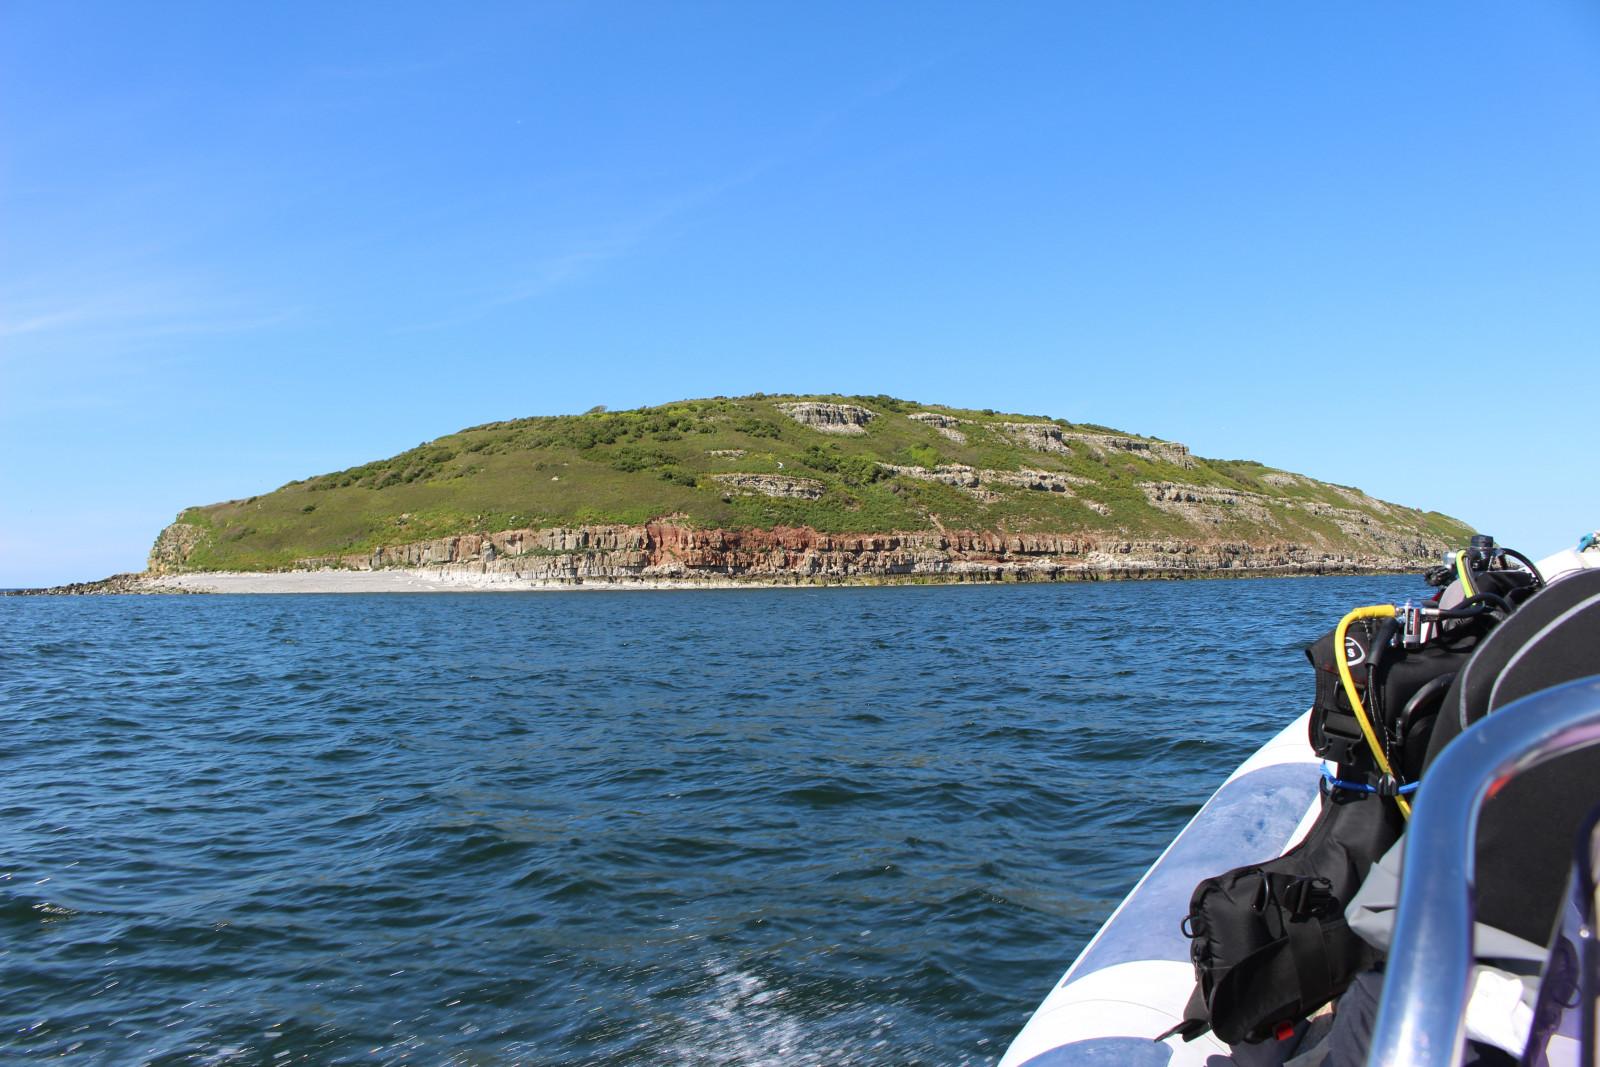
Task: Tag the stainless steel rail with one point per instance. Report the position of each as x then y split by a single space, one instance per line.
1421 1017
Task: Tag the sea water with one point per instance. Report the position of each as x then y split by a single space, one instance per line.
785 826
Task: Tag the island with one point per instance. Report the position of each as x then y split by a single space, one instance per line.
783 490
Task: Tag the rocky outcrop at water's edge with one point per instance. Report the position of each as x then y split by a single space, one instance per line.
657 551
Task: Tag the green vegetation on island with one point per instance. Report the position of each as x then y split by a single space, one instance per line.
837 464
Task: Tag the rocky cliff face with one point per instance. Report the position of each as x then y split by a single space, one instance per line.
1039 436
173 547
777 485
949 426
1108 443
661 550
829 418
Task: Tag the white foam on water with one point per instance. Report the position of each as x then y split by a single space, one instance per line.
746 1022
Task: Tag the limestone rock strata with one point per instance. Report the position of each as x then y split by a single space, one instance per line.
1360 499
975 480
947 425
1038 481
778 485
1213 506
1207 505
956 475
1144 448
829 418
787 554
1039 436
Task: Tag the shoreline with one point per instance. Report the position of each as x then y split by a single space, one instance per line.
428 580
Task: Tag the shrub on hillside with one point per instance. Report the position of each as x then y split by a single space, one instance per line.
755 427
860 470
821 459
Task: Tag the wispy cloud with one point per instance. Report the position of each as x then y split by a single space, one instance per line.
127 312
220 323
587 255
83 349
41 323
565 267
584 258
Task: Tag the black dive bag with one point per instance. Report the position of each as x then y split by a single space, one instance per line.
1269 941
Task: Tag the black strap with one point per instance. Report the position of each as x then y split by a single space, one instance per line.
1189 1029
1196 1017
1312 968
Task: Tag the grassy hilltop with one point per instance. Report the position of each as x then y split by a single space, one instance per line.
903 467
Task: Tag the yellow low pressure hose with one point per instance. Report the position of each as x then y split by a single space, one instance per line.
1374 611
1467 589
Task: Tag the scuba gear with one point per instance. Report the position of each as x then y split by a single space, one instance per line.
1525 829
1378 749
1269 941
1376 696
1480 550
1481 556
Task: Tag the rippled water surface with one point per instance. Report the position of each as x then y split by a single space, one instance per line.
749 827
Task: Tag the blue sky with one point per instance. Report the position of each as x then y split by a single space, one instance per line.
244 244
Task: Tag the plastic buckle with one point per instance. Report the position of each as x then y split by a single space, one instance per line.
1308 896
1387 785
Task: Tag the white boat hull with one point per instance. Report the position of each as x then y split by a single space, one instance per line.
1132 981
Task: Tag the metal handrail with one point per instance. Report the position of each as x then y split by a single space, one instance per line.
1422 1014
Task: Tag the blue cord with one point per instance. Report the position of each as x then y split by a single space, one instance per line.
1362 787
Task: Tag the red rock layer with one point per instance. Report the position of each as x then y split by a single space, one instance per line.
669 550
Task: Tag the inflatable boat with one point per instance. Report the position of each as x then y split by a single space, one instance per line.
1131 983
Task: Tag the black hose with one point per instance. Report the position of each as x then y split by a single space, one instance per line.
1462 613
1538 579
1492 599
1381 642
1474 606
1419 698
1380 645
